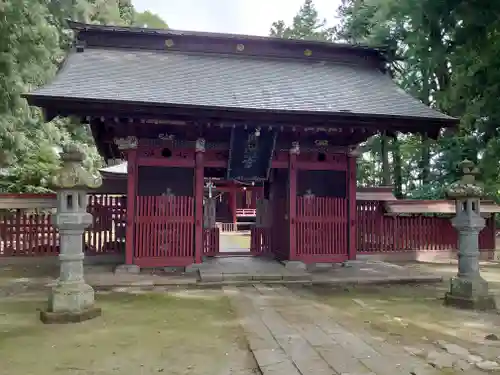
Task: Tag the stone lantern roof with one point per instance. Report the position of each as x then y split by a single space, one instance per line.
467 186
72 175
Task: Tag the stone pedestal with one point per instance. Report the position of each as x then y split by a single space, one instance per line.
470 294
71 299
468 289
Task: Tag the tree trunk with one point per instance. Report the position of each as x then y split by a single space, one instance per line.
425 161
397 165
384 154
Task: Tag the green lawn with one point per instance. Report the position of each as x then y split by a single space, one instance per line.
191 332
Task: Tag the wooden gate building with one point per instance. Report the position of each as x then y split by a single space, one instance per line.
183 106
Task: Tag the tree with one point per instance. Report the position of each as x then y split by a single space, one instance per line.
34 39
148 19
446 53
306 25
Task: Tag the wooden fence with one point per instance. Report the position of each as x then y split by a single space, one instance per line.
164 231
380 233
32 234
321 229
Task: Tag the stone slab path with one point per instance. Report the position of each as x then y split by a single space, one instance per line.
234 242
289 335
248 269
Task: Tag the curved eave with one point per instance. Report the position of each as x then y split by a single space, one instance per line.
380 51
64 106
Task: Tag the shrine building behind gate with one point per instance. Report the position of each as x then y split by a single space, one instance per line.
182 107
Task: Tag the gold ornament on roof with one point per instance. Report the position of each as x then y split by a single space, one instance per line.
169 43
308 52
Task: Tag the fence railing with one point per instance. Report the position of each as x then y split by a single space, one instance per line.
378 233
246 212
235 227
32 234
27 234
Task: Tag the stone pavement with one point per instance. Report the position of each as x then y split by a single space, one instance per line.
227 270
289 335
251 269
221 271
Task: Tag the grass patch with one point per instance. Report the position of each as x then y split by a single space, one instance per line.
137 334
409 314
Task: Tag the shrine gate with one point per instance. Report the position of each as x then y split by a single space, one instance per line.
184 107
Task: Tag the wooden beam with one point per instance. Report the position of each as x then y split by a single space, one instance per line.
198 199
351 208
131 198
292 202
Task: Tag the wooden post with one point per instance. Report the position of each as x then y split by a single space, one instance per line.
351 209
233 204
198 198
292 200
129 146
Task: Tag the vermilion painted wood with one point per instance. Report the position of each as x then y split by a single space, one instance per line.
33 234
260 241
164 230
351 186
232 205
377 232
107 232
322 229
132 178
279 228
307 161
211 246
198 209
165 162
292 210
23 234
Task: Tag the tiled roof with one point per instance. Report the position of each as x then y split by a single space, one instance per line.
214 80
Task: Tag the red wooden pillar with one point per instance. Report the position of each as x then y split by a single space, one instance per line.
351 209
233 204
199 176
129 146
292 201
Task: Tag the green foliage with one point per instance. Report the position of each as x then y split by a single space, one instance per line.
306 25
33 41
148 19
445 53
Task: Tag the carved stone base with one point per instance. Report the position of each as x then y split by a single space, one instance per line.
470 294
71 297
49 317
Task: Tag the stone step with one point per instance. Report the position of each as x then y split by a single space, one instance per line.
205 276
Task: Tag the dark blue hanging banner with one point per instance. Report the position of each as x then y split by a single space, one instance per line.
250 153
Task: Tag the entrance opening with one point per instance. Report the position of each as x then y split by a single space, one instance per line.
230 209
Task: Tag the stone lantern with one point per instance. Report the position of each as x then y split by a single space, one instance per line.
71 299
468 289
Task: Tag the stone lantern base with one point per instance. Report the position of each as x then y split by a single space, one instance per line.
470 294
70 303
